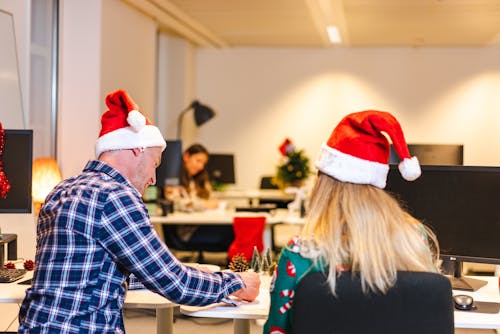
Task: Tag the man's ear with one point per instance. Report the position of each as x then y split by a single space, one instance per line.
136 151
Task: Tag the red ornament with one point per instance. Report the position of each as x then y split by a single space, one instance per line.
286 147
29 265
10 265
4 182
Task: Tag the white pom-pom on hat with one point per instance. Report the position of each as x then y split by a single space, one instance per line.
136 120
410 169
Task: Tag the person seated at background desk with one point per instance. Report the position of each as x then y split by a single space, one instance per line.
194 192
352 223
94 231
194 195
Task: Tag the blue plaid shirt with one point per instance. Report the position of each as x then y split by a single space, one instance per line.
93 231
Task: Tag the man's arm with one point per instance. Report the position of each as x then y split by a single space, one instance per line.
130 239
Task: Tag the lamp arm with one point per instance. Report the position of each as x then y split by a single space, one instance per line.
179 120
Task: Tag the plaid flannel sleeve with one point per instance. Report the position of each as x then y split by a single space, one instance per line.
130 239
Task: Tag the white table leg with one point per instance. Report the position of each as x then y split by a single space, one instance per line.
165 320
267 236
241 326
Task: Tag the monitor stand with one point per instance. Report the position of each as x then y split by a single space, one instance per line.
459 282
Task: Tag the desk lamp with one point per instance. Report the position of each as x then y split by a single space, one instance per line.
202 114
46 175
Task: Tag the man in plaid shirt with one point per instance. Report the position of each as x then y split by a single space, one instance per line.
94 230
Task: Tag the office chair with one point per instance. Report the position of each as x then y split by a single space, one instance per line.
420 302
207 238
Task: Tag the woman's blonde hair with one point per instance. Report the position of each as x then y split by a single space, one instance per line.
365 228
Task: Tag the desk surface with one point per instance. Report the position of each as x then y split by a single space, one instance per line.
218 217
488 293
274 194
258 309
14 293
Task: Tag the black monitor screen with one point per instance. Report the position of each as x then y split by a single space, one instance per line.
433 154
220 168
17 162
460 203
170 170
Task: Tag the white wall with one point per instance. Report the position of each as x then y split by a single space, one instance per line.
79 83
128 55
176 75
440 95
105 45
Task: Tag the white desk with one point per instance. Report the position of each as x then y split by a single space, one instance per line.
259 309
241 315
488 293
218 217
14 293
253 195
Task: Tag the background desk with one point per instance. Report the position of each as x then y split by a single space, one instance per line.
253 196
217 217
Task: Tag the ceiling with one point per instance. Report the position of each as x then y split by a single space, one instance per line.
302 23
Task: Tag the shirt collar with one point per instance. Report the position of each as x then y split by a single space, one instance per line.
102 167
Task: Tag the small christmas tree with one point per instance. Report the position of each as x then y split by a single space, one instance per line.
255 262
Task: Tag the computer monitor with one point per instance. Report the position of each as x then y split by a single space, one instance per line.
433 154
17 162
460 204
170 170
220 168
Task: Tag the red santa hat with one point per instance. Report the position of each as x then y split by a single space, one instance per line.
358 152
123 126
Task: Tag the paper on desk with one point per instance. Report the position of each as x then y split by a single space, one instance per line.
226 303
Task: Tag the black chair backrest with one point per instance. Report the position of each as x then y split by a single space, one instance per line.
266 183
420 302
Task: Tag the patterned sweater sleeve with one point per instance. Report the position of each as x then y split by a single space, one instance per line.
282 293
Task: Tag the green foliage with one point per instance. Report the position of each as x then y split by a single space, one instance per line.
295 168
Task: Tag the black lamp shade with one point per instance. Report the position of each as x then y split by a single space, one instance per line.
202 113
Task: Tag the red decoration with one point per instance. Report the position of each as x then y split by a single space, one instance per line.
10 265
4 182
286 147
29 265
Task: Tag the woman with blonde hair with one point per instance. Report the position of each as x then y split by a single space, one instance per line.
352 223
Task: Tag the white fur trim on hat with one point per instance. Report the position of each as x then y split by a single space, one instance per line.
126 138
347 168
136 120
410 169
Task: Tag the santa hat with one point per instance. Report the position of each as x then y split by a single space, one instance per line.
123 126
358 152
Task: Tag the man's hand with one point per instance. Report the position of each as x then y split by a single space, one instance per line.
252 283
